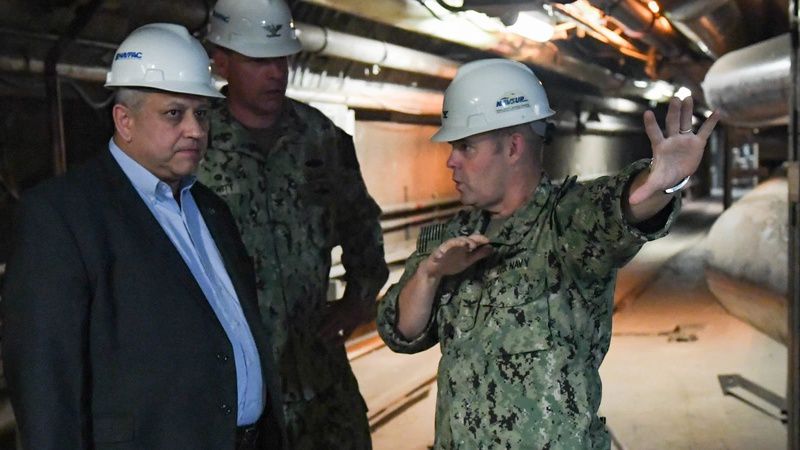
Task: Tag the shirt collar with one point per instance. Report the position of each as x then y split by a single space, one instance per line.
519 223
142 179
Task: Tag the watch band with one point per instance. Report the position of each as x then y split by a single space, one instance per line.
678 186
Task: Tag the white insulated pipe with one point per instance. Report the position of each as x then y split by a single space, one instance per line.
750 87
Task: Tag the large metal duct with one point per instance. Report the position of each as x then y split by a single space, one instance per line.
716 25
750 87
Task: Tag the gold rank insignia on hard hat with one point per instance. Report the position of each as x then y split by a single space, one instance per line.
430 237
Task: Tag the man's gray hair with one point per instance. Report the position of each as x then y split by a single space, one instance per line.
130 97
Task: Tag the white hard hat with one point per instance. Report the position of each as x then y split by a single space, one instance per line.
491 94
254 28
162 56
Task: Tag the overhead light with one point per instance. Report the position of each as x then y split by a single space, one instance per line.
533 25
641 84
683 92
659 91
653 7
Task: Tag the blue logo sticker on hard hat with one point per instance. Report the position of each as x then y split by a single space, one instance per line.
218 15
511 101
273 30
128 55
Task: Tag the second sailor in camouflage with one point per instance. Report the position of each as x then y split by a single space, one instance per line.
294 186
294 202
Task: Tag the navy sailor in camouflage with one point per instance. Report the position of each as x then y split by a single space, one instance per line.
294 186
518 290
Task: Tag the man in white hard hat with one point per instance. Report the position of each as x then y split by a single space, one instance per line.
129 305
518 291
293 183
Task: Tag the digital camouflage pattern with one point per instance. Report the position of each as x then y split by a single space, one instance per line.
523 332
293 203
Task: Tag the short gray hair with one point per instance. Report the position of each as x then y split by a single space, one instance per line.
132 98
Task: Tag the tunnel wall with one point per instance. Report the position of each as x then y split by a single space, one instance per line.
401 165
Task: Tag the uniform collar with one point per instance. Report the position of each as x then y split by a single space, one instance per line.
228 134
521 221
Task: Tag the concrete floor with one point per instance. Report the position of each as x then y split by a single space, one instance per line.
660 388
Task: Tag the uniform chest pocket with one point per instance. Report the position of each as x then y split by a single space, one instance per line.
458 305
517 314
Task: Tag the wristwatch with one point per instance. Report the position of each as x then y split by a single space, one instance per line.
678 187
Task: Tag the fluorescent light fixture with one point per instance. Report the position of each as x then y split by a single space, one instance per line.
659 91
641 84
533 25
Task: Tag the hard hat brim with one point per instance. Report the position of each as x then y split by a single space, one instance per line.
177 87
264 51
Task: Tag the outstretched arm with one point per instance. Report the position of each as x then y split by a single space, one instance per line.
675 157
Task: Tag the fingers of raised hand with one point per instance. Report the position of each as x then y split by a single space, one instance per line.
708 126
687 107
652 129
673 120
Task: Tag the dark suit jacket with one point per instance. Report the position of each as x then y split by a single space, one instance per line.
109 343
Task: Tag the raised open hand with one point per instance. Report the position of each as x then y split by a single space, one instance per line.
677 154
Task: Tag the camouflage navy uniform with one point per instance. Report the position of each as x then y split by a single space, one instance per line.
294 201
523 332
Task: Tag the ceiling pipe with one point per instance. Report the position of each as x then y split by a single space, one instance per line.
639 22
411 16
307 86
750 86
328 42
304 86
716 25
37 67
414 17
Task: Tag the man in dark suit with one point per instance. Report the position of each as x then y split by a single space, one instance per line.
130 311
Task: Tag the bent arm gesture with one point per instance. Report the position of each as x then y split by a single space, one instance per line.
416 298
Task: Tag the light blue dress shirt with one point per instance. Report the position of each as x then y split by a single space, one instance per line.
188 232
